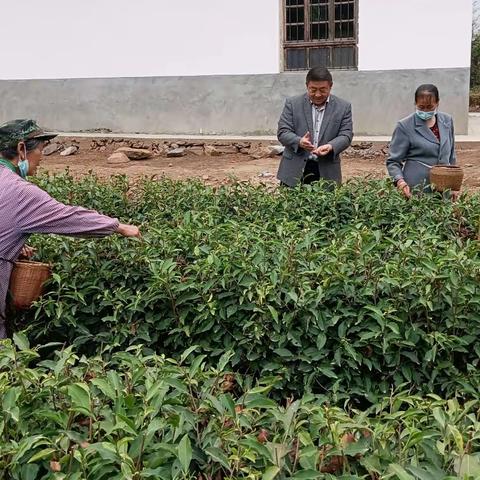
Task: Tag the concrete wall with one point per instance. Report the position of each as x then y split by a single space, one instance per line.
239 104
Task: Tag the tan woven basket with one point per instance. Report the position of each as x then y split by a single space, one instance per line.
446 177
26 282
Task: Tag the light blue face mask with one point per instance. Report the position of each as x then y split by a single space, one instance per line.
425 115
23 167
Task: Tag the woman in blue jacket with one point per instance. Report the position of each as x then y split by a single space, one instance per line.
420 141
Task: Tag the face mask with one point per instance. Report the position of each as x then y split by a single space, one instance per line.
425 115
23 166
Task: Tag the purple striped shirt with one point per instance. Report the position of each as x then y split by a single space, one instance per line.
27 209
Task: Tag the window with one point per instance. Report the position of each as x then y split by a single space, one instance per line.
320 32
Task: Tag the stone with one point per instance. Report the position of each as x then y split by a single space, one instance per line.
69 151
170 164
242 145
117 158
206 177
176 152
468 165
261 152
212 151
245 151
276 150
196 150
102 149
227 149
266 175
174 145
135 153
52 148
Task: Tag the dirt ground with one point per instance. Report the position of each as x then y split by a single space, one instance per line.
361 160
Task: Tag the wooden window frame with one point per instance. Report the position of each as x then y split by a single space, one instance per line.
330 42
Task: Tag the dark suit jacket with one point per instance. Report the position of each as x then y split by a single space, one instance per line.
296 120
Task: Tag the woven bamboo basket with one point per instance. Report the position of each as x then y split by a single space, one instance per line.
446 177
27 281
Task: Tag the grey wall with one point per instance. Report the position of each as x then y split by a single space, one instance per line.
237 104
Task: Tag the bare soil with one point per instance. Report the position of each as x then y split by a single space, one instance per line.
364 160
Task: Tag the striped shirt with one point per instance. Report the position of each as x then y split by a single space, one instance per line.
26 209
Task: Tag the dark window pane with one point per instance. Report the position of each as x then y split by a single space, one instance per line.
295 15
319 31
318 2
345 11
344 30
295 33
319 13
294 2
296 58
343 57
319 57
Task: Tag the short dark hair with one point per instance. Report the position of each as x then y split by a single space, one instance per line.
319 74
427 90
11 152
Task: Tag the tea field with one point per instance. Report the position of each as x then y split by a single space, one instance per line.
295 334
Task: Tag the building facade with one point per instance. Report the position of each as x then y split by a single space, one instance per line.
224 66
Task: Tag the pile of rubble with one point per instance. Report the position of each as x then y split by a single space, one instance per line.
366 150
180 148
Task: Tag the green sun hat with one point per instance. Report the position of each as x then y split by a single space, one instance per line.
15 131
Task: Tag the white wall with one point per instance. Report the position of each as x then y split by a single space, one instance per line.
132 38
404 34
135 38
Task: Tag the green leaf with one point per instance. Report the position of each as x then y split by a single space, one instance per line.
270 473
46 452
468 465
21 341
218 456
80 397
400 472
104 387
187 352
185 452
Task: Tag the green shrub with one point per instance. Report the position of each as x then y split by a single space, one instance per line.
349 292
140 415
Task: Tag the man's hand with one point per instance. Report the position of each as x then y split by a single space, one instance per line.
403 188
323 150
306 143
129 231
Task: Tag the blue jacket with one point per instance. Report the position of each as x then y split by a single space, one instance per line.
414 148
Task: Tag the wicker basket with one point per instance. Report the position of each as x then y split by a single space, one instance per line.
446 177
26 282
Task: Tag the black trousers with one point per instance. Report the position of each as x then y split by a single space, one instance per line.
310 173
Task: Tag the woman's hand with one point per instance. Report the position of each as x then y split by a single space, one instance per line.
129 230
403 188
454 195
27 252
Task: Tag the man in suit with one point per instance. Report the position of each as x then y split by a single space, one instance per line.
314 128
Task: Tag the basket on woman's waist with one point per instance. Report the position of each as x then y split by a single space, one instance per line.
27 281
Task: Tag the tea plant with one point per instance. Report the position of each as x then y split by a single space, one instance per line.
347 293
142 415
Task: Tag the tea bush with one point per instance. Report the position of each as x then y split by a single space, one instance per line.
141 415
348 293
